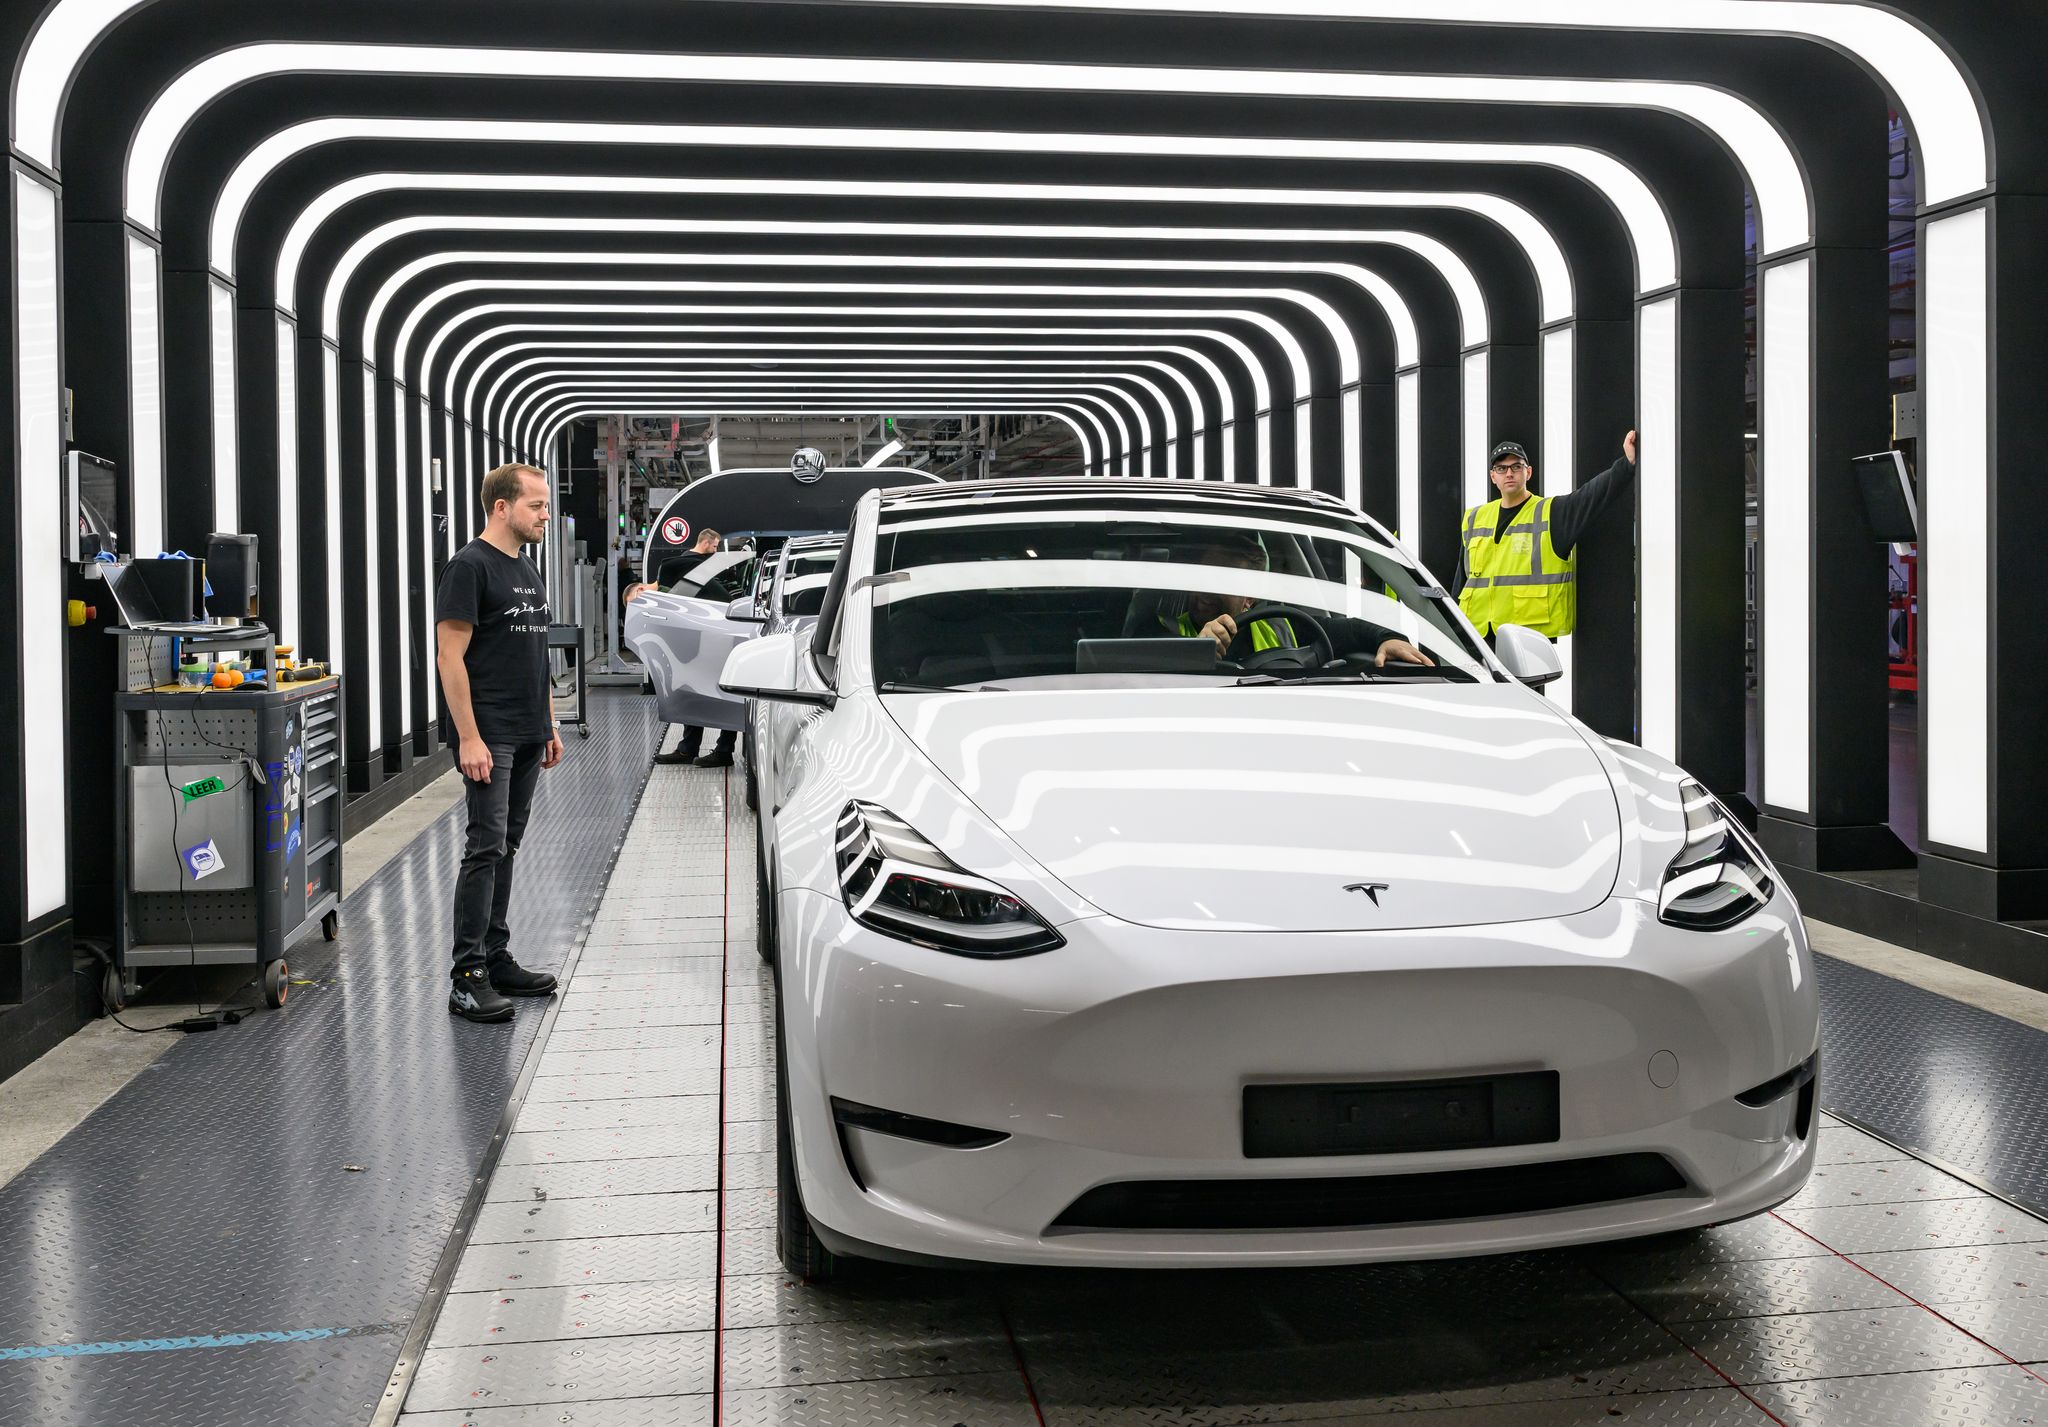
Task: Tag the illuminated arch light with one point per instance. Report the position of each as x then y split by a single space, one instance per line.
1456 273
1340 332
1225 402
926 409
1466 295
521 417
1949 133
1784 217
891 396
1254 367
552 369
1113 399
1643 216
1350 363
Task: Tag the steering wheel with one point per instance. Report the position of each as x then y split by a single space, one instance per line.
1317 652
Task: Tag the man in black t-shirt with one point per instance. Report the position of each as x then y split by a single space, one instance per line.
491 626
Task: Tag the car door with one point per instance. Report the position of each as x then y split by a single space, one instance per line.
683 642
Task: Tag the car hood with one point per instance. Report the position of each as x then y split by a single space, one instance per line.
1334 808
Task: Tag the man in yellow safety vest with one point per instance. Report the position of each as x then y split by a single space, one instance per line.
1515 560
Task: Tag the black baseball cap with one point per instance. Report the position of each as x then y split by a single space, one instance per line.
1509 448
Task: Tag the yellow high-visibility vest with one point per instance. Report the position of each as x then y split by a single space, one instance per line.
1263 634
1517 578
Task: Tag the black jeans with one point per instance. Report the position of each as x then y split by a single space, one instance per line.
497 820
693 740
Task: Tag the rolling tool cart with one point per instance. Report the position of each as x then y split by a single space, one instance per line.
228 810
570 706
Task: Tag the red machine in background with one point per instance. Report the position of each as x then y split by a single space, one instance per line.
1905 622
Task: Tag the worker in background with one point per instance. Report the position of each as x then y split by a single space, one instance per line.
491 632
1515 560
688 748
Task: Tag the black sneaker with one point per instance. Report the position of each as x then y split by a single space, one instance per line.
509 977
475 999
677 755
716 758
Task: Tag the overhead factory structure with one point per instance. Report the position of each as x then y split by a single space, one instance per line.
1123 398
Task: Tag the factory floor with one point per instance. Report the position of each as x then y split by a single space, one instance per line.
358 1210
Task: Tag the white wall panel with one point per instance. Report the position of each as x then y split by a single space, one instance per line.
1785 599
1657 480
38 564
1955 500
145 400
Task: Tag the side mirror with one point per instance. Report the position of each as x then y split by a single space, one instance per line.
766 668
1528 655
741 611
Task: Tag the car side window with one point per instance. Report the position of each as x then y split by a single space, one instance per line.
825 643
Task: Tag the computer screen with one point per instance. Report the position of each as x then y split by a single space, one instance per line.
1889 501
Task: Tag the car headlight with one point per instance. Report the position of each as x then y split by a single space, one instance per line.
1719 875
897 883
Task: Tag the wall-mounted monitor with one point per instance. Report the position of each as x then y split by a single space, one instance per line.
92 496
1889 500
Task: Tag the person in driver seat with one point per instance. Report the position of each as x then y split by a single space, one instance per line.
1215 616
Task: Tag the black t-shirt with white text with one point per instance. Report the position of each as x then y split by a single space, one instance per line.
501 598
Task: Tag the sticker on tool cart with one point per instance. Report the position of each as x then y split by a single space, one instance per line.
675 530
204 860
201 787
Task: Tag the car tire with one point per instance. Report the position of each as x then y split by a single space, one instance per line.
764 904
796 1242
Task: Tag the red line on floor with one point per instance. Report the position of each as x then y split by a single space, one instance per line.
1909 1297
724 980
1672 1333
1023 1371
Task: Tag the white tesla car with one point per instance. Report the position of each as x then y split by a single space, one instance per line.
1113 932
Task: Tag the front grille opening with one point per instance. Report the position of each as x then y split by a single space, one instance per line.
1372 1200
1779 1086
852 1115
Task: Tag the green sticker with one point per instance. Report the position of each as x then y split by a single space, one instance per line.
203 787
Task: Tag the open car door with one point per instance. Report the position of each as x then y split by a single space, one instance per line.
682 642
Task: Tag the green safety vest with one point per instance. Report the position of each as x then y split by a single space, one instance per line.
1264 636
1517 578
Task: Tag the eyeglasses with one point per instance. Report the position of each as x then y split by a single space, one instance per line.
1508 468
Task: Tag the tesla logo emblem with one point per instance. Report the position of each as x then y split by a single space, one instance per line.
1371 889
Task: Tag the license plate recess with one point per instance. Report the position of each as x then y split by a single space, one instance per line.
1400 1117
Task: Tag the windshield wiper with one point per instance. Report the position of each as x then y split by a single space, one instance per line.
1363 676
899 686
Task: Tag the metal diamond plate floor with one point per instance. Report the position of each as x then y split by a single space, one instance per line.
198 1251
619 1268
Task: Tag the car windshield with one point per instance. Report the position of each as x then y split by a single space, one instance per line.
1151 593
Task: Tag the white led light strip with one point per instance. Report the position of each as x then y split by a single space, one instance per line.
1031 315
1099 411
1554 290
518 396
1948 130
1784 215
923 410
647 353
1113 400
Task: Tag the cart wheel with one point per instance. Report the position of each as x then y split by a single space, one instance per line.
330 925
112 993
583 730
276 982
